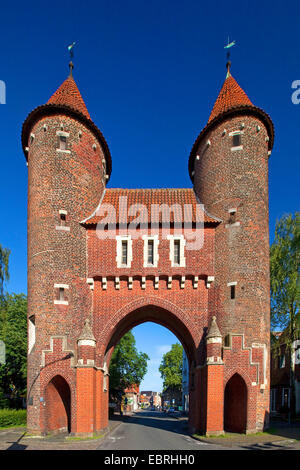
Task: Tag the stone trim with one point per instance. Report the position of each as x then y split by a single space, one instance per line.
64 349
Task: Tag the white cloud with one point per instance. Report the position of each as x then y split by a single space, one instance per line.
162 349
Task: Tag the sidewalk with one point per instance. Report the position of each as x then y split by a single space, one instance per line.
280 434
18 439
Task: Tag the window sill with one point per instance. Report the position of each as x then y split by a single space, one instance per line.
62 228
63 151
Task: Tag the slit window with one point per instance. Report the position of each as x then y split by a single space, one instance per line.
62 219
177 252
236 140
61 295
124 252
232 292
150 258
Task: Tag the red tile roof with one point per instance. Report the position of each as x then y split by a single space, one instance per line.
230 96
232 100
150 198
69 95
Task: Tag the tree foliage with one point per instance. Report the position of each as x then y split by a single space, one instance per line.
285 274
127 365
171 368
13 332
4 273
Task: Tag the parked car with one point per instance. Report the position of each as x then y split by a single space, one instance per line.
171 410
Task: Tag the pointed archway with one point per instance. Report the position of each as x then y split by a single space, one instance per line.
57 405
235 405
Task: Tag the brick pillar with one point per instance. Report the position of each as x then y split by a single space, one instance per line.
86 382
214 381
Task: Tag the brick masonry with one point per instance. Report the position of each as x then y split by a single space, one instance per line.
66 376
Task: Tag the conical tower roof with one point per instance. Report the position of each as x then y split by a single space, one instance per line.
231 101
67 99
230 96
87 333
69 95
213 331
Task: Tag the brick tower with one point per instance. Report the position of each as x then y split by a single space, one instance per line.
69 164
229 168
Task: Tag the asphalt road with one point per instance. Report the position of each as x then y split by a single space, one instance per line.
147 430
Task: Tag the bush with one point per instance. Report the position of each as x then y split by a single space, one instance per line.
12 418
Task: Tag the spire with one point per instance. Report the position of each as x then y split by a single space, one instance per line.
230 96
213 331
87 333
69 95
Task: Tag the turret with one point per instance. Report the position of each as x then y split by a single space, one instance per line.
229 168
69 165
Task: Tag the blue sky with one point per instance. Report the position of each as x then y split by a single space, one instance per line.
149 73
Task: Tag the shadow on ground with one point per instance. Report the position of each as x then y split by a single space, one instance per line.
155 420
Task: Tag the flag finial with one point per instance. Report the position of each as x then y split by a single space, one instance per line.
228 64
71 65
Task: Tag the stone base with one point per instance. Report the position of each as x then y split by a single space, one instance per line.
214 433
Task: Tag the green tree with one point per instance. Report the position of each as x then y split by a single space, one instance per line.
13 332
127 366
285 284
171 368
4 273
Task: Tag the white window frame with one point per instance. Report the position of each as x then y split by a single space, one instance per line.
237 147
155 240
58 301
182 240
119 239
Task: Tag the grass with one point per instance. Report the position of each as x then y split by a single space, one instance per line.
12 418
90 438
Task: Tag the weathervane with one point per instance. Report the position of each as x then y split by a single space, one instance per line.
71 65
228 46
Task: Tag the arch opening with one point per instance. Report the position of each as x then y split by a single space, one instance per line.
235 405
154 314
58 405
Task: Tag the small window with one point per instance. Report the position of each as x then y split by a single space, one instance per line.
150 258
62 142
232 292
61 293
124 252
62 219
236 140
177 252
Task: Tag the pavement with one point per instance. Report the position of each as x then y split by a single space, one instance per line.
281 435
